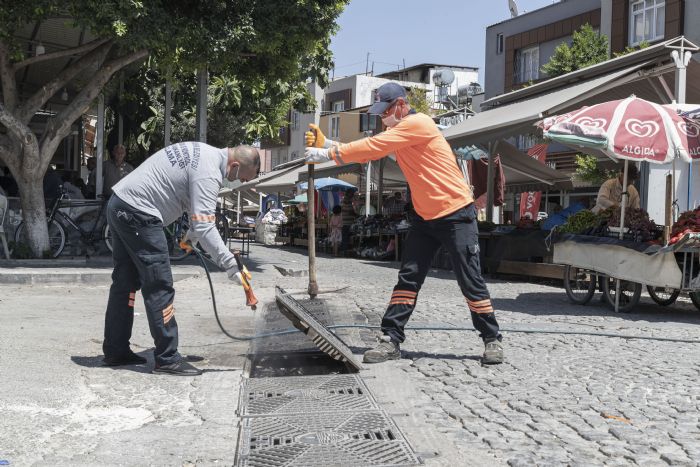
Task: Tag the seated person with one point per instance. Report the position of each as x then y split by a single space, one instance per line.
610 193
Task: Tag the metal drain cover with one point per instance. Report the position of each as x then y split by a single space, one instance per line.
304 395
324 339
337 439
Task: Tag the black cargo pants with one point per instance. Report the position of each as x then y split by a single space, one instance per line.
459 235
141 261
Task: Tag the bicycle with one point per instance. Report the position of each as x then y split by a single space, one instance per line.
173 234
58 221
177 230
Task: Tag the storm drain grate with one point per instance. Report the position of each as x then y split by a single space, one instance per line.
337 439
325 340
303 395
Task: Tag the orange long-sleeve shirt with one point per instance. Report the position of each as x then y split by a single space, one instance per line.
437 185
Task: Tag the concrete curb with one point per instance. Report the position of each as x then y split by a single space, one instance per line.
72 276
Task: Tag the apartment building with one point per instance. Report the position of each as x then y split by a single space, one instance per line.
517 48
341 102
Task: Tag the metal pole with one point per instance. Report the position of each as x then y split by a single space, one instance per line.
311 225
120 128
380 187
490 182
368 186
168 112
202 83
99 144
623 208
238 210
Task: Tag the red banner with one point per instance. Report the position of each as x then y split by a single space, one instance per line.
530 201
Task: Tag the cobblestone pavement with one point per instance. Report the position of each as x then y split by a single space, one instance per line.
559 399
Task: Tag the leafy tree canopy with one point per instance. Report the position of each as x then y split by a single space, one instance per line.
587 48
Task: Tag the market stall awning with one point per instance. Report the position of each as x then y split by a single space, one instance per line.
523 173
517 118
266 177
284 182
393 176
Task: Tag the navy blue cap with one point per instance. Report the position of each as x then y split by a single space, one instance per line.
385 96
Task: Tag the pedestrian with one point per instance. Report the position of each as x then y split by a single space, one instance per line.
444 215
347 212
115 169
91 187
180 177
335 224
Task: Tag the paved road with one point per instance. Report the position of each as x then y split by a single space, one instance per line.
560 399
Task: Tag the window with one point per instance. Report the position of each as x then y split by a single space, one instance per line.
295 120
369 122
338 106
335 127
647 20
527 64
499 44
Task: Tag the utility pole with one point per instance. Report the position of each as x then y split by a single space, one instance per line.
367 65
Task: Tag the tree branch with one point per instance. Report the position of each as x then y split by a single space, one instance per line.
60 54
15 127
40 97
7 79
60 126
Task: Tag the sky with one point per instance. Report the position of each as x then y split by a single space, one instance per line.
450 32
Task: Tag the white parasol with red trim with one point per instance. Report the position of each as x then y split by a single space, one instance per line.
629 129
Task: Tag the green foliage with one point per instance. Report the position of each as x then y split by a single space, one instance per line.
587 48
418 100
579 222
259 54
629 50
588 170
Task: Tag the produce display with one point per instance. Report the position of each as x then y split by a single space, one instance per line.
688 222
580 222
638 226
637 220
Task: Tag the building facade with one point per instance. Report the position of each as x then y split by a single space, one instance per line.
517 48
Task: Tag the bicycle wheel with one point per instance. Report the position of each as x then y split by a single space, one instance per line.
695 298
629 294
662 295
107 236
579 284
57 237
173 233
222 227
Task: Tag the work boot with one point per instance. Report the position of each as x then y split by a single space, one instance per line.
386 350
127 359
493 353
181 368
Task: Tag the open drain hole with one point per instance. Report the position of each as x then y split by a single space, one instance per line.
296 364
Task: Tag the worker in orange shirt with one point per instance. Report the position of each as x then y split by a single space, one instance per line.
444 215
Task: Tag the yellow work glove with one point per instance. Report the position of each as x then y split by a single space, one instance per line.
316 139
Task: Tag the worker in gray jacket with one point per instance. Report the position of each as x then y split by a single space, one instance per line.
183 177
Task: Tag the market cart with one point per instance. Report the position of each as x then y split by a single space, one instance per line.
665 271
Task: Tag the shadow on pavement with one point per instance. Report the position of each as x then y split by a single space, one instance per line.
553 303
96 362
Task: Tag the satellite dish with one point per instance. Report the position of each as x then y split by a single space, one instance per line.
513 7
443 77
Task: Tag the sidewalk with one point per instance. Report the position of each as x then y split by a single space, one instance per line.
559 399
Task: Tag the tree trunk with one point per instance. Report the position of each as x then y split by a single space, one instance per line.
36 233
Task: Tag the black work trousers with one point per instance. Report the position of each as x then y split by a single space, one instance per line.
141 262
459 235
